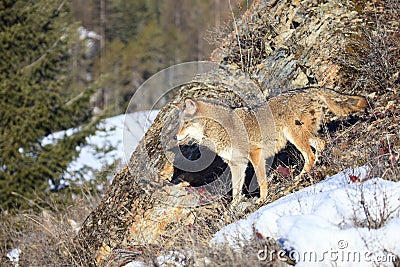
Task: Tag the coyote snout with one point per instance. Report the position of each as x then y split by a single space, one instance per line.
254 134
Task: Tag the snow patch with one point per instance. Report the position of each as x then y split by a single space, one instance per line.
334 221
172 258
115 140
13 255
136 264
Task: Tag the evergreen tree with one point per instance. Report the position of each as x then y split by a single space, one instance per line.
35 101
124 19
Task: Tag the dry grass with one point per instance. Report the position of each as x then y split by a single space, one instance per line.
44 233
191 243
370 61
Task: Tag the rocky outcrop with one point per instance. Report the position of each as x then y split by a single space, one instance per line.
290 44
277 45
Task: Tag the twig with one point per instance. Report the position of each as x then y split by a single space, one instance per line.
237 34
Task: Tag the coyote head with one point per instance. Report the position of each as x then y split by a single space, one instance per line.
191 124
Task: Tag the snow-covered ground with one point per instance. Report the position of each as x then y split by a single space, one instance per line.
115 140
332 223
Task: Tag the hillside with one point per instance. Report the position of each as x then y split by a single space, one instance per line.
157 214
275 46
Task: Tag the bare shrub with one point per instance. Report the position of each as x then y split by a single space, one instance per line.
44 233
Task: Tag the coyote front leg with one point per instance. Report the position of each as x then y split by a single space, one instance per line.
238 175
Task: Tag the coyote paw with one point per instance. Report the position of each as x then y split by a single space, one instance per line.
241 206
236 200
183 184
260 201
297 180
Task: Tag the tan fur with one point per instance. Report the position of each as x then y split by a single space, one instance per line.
243 134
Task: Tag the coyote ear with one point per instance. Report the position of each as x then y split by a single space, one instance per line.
178 106
190 106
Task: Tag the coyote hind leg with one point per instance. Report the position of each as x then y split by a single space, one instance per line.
318 144
301 140
257 160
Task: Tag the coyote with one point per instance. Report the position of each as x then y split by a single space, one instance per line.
239 135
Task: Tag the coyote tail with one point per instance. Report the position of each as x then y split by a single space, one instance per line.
342 104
